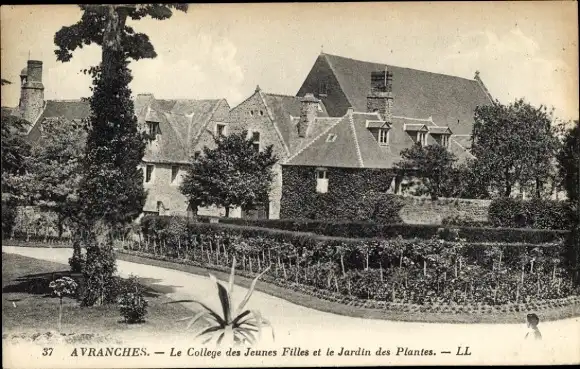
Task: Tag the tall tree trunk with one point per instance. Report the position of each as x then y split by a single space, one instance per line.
227 211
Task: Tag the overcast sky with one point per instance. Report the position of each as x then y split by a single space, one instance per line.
522 49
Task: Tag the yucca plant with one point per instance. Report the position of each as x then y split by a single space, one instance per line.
233 327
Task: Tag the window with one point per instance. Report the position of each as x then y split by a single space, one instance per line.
174 172
251 112
322 88
149 173
321 181
383 136
196 155
443 140
153 130
220 129
256 141
261 112
422 138
331 137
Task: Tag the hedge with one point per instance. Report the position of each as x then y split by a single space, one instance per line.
395 270
353 229
535 213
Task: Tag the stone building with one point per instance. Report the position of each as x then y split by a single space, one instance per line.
377 111
178 126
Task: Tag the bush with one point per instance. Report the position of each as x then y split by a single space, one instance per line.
350 229
465 221
132 304
99 268
535 213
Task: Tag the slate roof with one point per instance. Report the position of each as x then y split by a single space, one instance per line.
285 111
181 122
450 100
354 146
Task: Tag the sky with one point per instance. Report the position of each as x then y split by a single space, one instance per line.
521 49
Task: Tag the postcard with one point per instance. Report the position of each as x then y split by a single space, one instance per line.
290 184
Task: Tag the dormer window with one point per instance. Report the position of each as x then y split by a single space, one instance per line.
442 140
153 130
383 136
422 138
220 129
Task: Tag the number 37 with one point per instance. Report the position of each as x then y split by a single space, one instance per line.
47 351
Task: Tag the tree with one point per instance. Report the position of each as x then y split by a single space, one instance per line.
232 174
15 151
569 167
569 163
111 189
514 144
55 168
433 164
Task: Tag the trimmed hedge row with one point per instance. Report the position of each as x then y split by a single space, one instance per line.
407 231
535 213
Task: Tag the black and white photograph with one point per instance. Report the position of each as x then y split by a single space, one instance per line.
290 184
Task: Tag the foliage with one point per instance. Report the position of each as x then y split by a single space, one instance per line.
15 151
465 181
355 229
62 287
534 213
230 175
234 327
111 188
92 27
354 194
100 266
441 270
132 304
463 221
53 175
514 144
433 164
569 163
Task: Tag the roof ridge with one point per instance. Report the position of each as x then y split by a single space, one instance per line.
397 66
356 144
313 140
271 116
281 95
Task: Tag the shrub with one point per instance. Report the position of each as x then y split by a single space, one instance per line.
354 229
465 221
132 304
99 269
535 213
62 287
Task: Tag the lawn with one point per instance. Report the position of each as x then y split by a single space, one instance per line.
28 307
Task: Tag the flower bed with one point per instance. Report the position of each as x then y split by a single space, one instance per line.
402 307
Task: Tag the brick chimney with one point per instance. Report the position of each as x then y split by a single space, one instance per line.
31 91
380 99
308 112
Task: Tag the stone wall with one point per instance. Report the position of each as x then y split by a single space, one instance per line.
419 210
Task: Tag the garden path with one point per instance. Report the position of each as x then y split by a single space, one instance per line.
296 325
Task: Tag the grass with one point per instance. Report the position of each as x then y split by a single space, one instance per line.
320 304
27 305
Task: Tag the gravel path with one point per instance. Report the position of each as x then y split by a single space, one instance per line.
296 325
